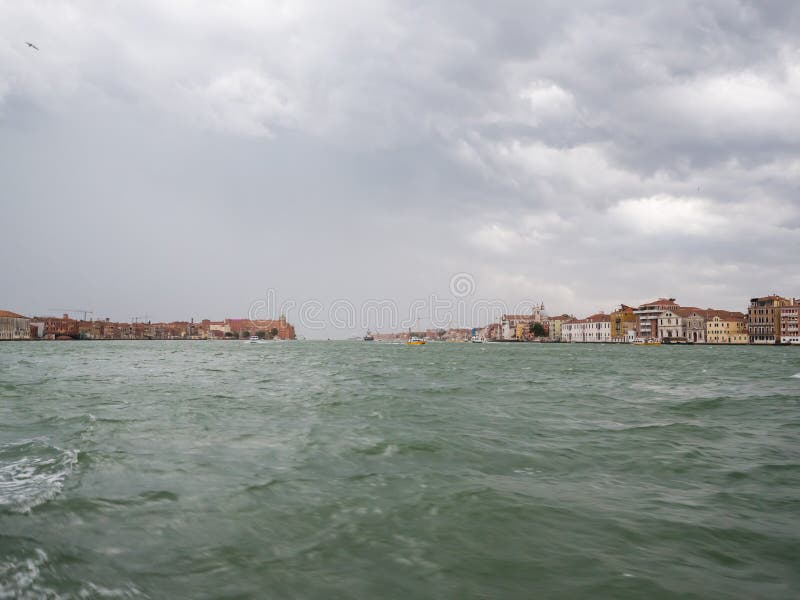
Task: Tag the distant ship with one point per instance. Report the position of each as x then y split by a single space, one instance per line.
369 337
646 342
254 339
413 340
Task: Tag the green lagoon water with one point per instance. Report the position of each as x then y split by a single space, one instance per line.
367 470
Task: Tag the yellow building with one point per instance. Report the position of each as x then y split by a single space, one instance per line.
623 324
554 326
727 328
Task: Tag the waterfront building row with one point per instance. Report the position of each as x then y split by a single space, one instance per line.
18 327
769 320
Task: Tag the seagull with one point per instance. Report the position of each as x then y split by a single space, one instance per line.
30 45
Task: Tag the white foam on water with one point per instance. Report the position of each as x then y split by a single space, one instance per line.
21 578
32 472
92 590
390 450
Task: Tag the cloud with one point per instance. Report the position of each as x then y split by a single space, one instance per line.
245 102
667 215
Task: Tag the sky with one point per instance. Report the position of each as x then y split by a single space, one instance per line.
182 159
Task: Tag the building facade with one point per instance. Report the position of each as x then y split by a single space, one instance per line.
64 326
672 325
726 328
648 315
790 334
554 325
696 326
510 324
623 324
245 327
596 328
14 326
764 319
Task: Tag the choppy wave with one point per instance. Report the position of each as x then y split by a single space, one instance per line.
23 579
32 472
360 471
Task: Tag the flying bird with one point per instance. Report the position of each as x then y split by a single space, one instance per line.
30 45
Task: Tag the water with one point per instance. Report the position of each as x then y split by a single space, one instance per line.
368 470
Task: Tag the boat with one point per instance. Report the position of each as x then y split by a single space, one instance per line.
254 339
414 340
476 339
369 337
646 342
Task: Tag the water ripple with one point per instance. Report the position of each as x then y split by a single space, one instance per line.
32 472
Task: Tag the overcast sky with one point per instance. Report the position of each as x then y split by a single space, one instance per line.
179 159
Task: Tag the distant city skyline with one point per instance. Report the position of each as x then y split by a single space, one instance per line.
458 311
179 162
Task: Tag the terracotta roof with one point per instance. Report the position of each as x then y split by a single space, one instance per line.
623 308
706 313
518 317
724 315
660 302
12 315
598 317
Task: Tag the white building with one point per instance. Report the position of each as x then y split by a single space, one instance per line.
696 326
509 323
14 326
596 328
790 324
649 314
671 325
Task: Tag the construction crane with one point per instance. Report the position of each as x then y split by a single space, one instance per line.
85 311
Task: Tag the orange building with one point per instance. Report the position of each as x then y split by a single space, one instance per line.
59 326
240 327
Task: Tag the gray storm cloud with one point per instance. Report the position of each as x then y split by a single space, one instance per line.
180 159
